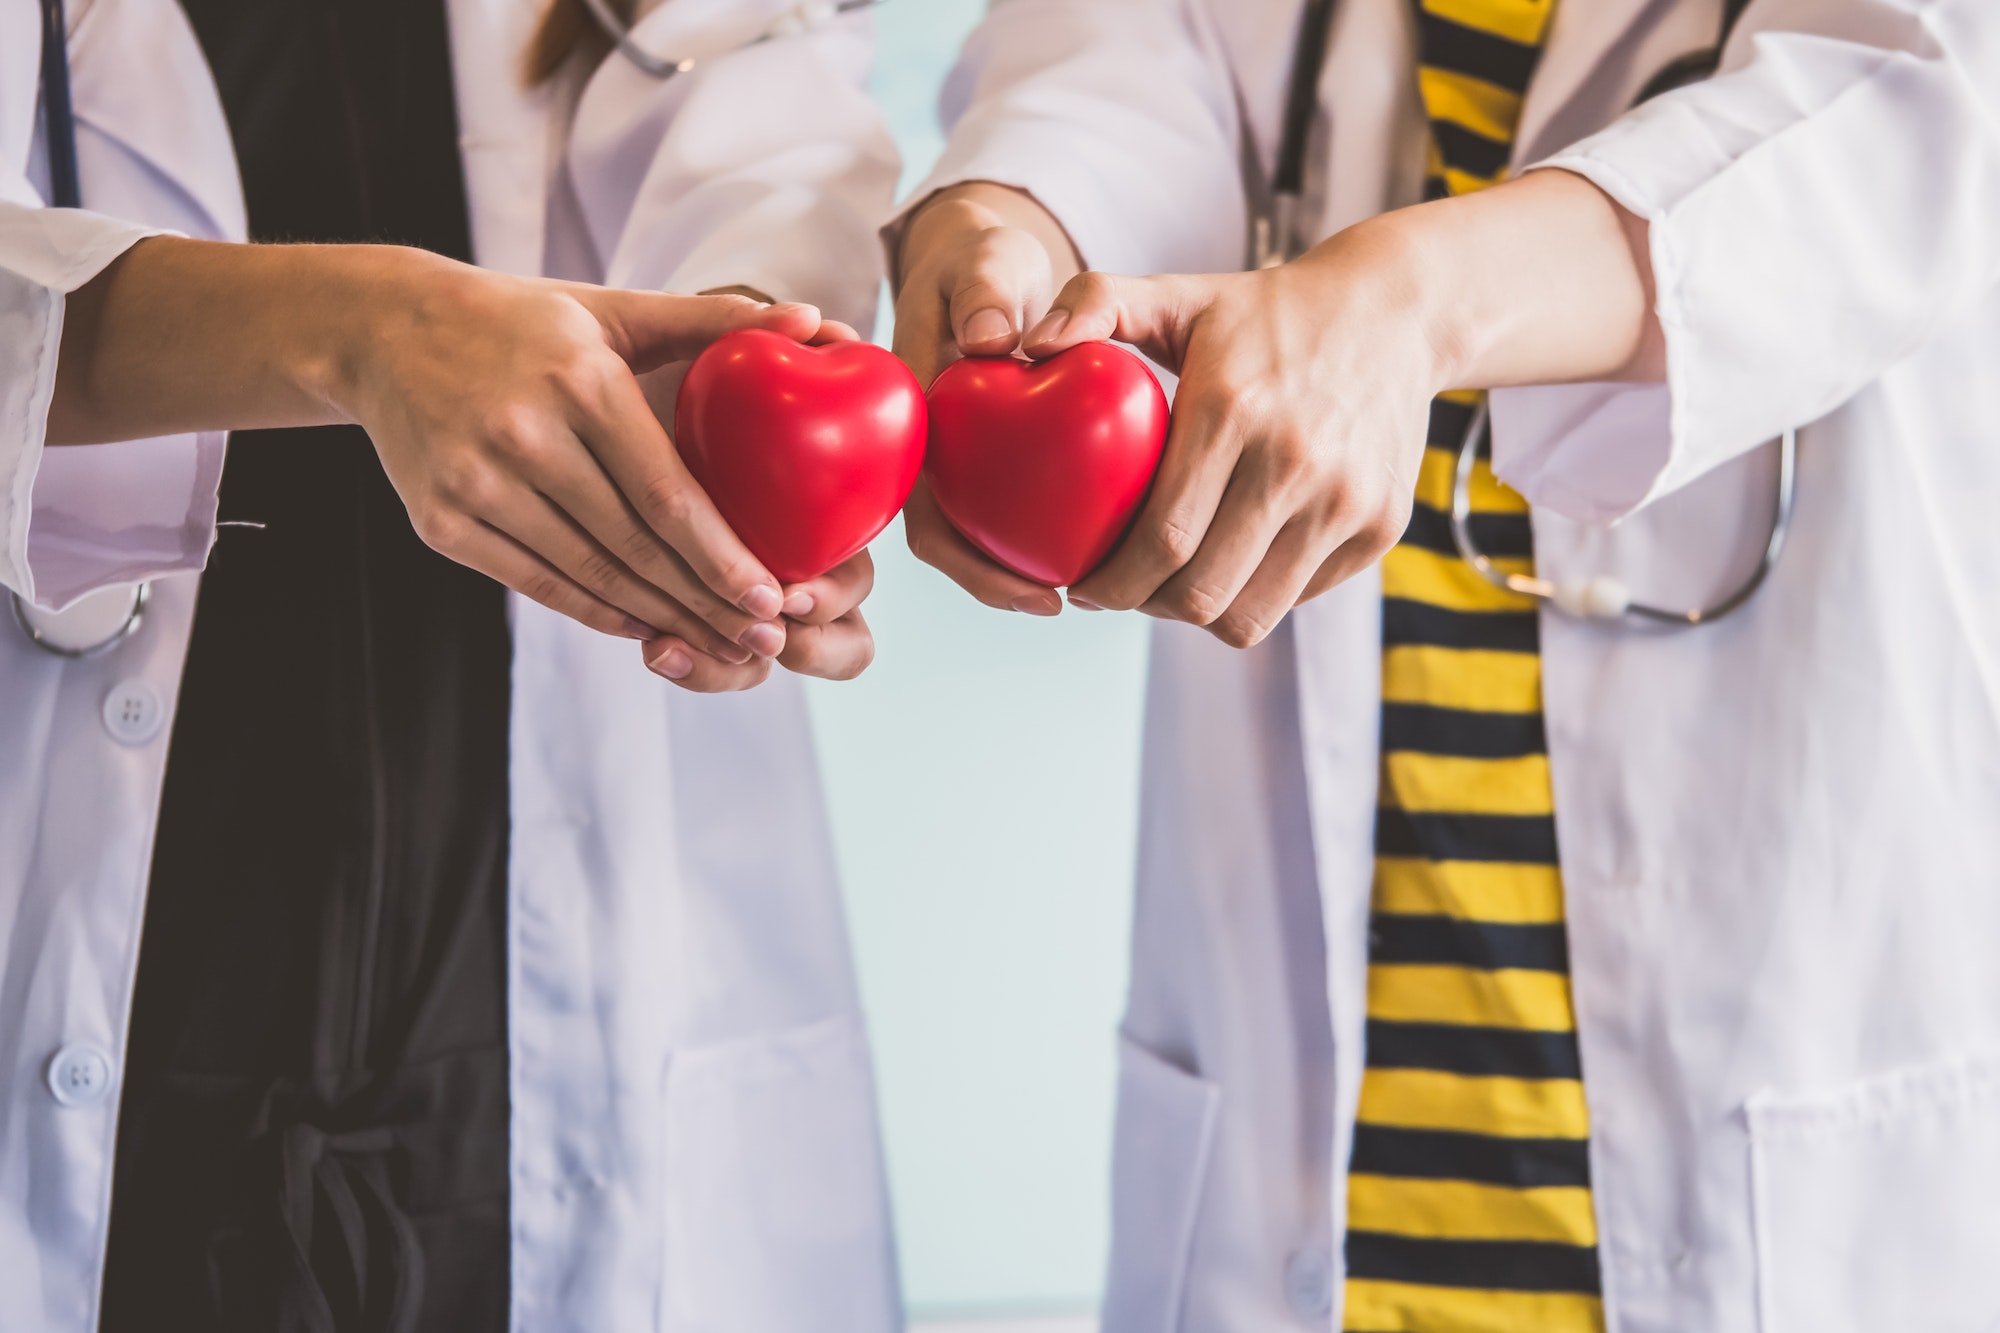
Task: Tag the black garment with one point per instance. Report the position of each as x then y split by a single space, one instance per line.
314 1124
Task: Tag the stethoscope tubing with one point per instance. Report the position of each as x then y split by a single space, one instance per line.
660 67
58 114
1602 598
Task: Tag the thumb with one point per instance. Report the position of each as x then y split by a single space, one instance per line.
650 329
1152 314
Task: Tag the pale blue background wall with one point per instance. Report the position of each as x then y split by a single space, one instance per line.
983 781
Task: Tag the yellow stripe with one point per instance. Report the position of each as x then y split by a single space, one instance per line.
1447 581
1517 1108
1522 21
1482 107
1399 1307
1471 678
1513 997
1469 890
1464 1210
1452 784
1489 494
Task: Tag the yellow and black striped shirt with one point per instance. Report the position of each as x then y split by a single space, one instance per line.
1469 1207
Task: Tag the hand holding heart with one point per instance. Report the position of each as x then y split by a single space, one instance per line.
1297 428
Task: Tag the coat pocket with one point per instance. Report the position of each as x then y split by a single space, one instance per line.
777 1220
1878 1205
1165 1125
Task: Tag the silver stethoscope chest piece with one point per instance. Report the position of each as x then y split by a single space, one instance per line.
1604 597
92 624
800 18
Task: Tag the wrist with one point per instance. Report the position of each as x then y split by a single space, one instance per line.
369 296
1399 267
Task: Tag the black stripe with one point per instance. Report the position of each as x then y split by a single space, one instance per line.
1438 1154
1435 189
1395 937
1483 55
1410 623
1439 837
1422 729
1447 425
1478 1052
1468 150
1501 535
1503 1265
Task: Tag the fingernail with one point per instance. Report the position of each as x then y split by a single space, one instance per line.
639 629
1050 328
674 664
1037 606
985 326
763 601
763 640
1083 604
799 604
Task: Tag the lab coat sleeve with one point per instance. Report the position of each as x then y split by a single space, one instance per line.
1817 212
67 526
766 166
1119 116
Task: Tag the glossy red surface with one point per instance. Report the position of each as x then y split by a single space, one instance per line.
1042 465
808 452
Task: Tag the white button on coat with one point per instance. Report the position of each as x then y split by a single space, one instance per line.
133 712
80 1075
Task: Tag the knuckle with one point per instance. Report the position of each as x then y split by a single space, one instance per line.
545 588
513 429
1174 539
1242 629
1195 605
440 525
600 571
668 503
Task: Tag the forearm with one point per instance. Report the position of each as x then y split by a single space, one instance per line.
1543 280
182 335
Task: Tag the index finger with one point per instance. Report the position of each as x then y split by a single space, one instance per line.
631 445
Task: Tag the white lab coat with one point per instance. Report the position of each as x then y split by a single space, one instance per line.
1780 835
694 1136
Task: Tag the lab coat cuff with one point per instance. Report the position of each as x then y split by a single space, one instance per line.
82 517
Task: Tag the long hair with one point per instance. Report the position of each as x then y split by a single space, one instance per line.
567 27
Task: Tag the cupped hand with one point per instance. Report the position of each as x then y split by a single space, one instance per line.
978 266
825 637
508 415
1298 430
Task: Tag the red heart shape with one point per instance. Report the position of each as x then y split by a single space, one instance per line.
808 452
1042 464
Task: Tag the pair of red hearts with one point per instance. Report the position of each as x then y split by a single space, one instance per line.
808 452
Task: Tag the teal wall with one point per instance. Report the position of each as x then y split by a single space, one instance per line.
983 782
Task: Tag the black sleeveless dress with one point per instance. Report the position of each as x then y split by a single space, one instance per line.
313 1131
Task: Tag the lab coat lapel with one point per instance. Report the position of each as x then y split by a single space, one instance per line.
506 132
1583 31
135 67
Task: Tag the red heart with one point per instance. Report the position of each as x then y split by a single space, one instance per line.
808 452
1043 464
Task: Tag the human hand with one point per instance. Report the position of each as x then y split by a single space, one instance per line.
508 415
825 637
1298 429
977 266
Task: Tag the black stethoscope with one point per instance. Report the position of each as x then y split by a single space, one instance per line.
1276 241
102 619
801 18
